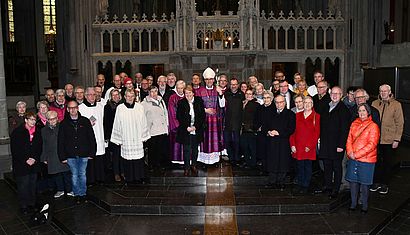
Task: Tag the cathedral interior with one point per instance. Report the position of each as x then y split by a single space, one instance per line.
48 43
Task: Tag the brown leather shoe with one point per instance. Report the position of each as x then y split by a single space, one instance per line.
194 171
186 172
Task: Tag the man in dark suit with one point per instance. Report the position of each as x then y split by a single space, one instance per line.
288 94
281 126
334 128
322 99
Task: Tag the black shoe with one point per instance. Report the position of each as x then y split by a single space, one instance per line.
375 187
77 199
352 208
384 189
333 195
83 199
270 186
362 211
24 211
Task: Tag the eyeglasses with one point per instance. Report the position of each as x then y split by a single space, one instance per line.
360 97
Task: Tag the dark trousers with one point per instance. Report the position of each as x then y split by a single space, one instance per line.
355 188
231 139
117 163
62 181
333 174
26 189
158 151
190 151
384 164
95 169
277 177
304 172
248 145
261 144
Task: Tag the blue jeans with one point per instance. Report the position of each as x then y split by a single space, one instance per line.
78 166
304 172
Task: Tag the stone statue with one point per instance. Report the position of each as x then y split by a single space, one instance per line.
102 7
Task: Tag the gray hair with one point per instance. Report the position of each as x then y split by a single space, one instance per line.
364 92
51 113
42 102
21 103
385 85
88 89
60 91
180 82
268 93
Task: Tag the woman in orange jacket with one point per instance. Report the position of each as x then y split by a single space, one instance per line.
361 149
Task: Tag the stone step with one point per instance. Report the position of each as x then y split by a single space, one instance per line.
191 200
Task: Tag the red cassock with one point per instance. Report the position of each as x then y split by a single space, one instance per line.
306 134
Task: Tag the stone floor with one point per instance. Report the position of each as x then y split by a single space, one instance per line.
220 200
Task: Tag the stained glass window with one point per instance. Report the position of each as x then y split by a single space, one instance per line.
49 11
10 18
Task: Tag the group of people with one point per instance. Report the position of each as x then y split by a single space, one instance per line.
80 133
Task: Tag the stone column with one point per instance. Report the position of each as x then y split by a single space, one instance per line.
4 132
5 159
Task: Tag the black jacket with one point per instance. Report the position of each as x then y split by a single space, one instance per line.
233 113
334 128
278 156
321 106
109 114
167 94
76 138
184 119
262 118
248 116
22 149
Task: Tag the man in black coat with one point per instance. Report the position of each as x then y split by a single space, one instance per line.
334 128
322 99
233 120
76 143
280 128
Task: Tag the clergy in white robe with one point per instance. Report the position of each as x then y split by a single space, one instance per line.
130 131
94 111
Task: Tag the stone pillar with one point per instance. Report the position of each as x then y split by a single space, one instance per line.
5 159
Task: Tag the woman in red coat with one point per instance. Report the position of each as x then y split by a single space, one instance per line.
303 143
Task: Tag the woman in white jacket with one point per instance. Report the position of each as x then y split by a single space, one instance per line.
157 120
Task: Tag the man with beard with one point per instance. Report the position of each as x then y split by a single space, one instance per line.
163 90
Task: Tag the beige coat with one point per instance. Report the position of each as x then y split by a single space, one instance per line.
391 118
